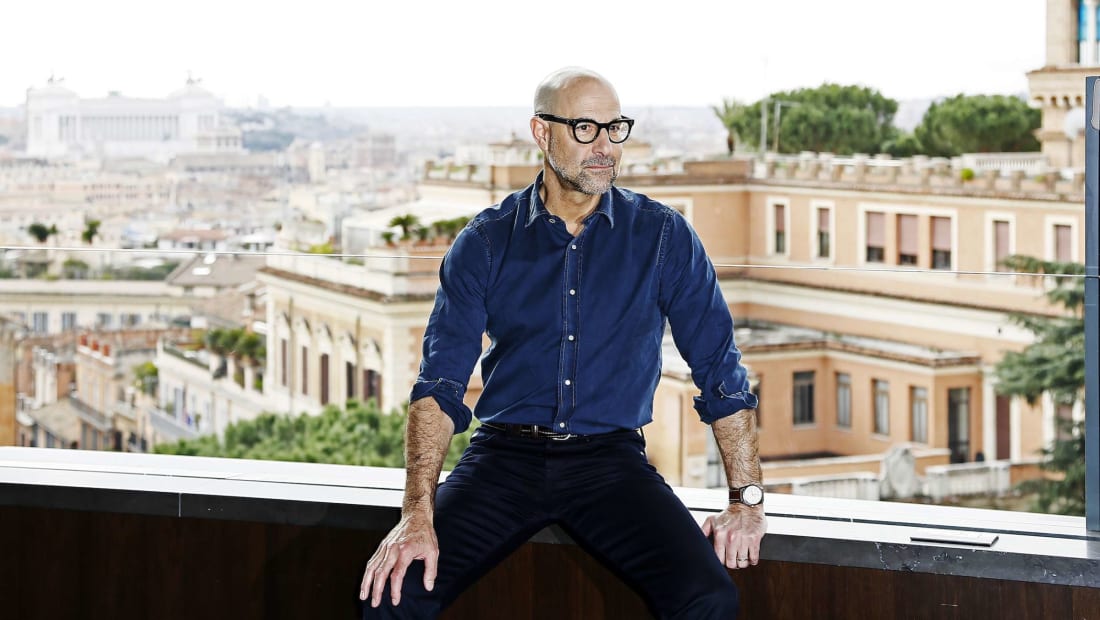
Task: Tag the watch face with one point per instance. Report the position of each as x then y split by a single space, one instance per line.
752 495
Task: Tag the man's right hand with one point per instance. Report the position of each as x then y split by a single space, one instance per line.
413 538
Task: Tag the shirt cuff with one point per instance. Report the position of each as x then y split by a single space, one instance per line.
448 394
722 404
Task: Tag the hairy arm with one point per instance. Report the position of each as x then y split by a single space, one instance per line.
738 529
740 448
427 436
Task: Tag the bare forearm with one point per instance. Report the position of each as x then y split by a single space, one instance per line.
740 448
427 436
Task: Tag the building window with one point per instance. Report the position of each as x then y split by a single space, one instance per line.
1063 421
876 237
1063 243
780 214
908 246
68 321
41 322
349 380
324 378
824 233
372 387
305 370
882 407
918 407
283 361
941 243
843 400
958 424
1002 244
803 397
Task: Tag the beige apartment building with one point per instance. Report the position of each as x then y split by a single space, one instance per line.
867 293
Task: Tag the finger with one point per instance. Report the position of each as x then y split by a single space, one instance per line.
365 586
708 526
380 575
397 577
734 555
720 548
431 565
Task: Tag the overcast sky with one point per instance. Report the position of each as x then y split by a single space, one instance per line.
480 52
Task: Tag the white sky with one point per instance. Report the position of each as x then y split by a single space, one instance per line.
481 52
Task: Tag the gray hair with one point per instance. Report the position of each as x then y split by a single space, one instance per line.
547 91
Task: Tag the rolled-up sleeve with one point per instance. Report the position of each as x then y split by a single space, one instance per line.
702 327
452 341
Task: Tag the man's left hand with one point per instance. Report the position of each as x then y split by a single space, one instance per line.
737 532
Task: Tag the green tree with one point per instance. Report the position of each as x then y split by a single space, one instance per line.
1053 364
978 124
39 231
146 377
74 269
91 231
730 115
359 434
903 145
407 223
836 118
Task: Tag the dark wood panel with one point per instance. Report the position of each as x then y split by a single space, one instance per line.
1086 603
57 564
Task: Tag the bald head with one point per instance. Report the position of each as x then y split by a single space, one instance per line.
561 82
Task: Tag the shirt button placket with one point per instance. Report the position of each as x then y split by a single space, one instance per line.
572 277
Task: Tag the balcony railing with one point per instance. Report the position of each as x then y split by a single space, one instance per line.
989 478
847 486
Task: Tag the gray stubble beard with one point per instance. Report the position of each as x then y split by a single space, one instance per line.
581 181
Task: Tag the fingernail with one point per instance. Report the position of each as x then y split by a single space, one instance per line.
429 585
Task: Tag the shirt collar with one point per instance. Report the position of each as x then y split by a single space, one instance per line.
536 208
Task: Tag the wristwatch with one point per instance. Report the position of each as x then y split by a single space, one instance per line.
749 495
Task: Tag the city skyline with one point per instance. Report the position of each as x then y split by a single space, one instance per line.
492 53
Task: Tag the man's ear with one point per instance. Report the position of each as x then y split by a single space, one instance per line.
540 131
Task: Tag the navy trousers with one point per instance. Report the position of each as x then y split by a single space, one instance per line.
601 490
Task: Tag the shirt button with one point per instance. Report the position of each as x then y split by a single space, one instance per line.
561 425
572 291
568 382
574 246
571 338
552 220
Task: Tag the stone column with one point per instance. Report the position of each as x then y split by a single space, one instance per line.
989 414
1090 33
989 179
1017 179
1061 32
249 375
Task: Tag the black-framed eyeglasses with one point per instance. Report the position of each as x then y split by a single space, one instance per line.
586 130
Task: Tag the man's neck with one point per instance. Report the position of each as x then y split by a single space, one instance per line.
571 206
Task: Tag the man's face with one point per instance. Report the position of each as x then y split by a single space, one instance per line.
586 168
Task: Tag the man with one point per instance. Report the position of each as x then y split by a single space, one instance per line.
573 280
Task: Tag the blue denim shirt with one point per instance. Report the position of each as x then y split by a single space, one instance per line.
575 324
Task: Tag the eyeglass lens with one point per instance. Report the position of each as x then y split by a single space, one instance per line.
617 131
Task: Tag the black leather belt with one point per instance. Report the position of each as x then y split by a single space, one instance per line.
534 431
